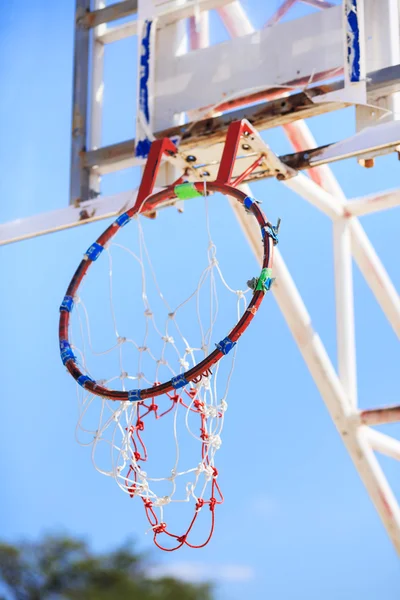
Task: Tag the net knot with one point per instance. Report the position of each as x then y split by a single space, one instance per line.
160 528
121 340
175 398
204 434
210 411
223 406
214 441
143 488
240 293
212 252
182 538
199 504
137 456
200 469
148 503
213 502
153 407
148 313
140 425
162 501
198 404
142 348
123 375
132 490
161 361
171 315
168 339
184 363
209 472
139 376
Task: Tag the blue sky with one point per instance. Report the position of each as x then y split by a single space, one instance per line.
297 522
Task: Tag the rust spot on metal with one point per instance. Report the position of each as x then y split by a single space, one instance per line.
84 214
151 215
90 19
385 504
108 14
367 163
77 122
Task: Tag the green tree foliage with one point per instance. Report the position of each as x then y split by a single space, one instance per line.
58 568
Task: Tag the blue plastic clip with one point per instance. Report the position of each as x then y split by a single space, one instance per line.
94 251
134 395
66 352
83 379
67 304
248 202
272 231
225 345
123 219
179 381
268 283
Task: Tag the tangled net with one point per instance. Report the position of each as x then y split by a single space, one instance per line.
120 433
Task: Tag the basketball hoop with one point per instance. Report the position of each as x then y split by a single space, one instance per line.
190 389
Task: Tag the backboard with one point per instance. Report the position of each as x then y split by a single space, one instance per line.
191 86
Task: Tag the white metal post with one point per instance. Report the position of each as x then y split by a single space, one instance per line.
96 99
199 30
345 331
79 181
301 138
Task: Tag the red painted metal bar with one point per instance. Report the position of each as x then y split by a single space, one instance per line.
379 416
235 132
157 151
280 13
249 170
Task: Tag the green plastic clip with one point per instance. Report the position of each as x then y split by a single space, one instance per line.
265 281
184 191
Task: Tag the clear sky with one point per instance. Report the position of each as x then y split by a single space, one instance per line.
297 522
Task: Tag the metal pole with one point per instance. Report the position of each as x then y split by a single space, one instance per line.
79 181
96 96
301 137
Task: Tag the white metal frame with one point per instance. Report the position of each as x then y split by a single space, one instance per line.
321 189
339 391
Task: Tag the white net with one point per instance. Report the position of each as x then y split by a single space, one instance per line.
162 450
